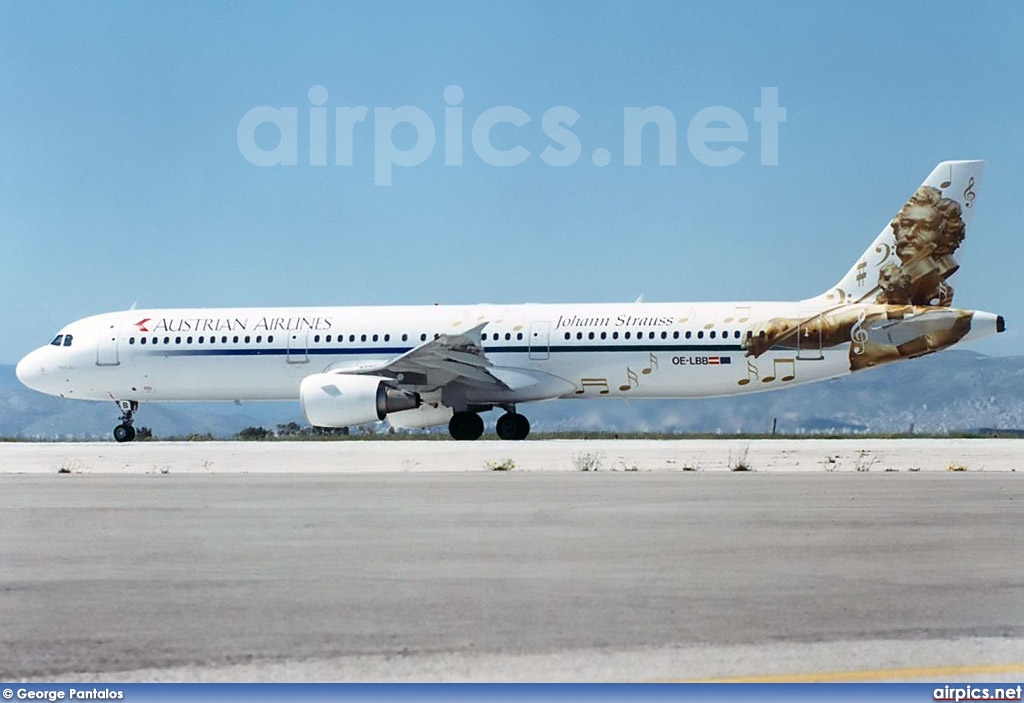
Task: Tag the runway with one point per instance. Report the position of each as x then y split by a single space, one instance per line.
698 455
522 575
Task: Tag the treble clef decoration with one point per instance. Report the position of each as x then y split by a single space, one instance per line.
859 335
969 194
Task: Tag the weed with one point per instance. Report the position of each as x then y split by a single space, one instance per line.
865 461
588 461
741 463
505 464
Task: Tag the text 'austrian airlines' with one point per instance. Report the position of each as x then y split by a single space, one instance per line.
420 366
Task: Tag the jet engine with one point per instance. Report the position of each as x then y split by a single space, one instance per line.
343 400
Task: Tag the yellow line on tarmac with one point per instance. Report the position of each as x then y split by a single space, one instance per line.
933 672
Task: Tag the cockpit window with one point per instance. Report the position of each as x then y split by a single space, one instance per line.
67 340
57 340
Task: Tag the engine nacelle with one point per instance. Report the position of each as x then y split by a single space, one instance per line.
344 400
424 416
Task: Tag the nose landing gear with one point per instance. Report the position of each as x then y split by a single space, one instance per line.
125 432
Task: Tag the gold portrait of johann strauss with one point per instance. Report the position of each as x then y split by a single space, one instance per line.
910 315
928 230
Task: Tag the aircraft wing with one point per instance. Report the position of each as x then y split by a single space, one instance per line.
460 359
450 357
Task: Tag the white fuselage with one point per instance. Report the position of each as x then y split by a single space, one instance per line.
651 350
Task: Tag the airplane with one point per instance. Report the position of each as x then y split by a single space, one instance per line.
424 366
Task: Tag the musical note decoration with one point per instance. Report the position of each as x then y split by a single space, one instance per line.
949 181
969 194
837 294
859 335
633 379
885 250
601 383
862 272
741 314
652 365
791 363
752 373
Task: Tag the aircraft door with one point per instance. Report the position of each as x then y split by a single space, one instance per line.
808 340
298 347
106 345
540 340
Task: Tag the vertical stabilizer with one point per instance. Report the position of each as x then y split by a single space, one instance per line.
913 260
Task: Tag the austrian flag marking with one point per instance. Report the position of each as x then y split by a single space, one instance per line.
141 324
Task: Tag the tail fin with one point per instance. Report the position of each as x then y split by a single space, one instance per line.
913 259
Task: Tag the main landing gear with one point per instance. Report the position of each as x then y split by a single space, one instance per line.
125 432
512 425
468 425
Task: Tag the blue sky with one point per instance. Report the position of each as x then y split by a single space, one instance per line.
121 176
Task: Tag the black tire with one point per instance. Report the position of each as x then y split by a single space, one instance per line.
522 427
512 426
466 426
124 433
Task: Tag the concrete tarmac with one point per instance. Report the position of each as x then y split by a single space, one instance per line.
623 576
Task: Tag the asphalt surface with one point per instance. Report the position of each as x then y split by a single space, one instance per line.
358 575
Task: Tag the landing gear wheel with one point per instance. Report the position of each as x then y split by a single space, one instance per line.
512 426
124 433
466 426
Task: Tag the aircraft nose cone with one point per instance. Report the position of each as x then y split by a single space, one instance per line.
29 370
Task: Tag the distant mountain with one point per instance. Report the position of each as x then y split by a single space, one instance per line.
25 413
947 392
